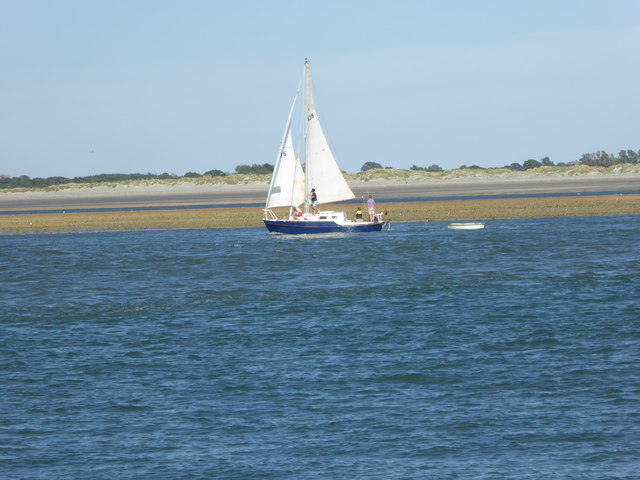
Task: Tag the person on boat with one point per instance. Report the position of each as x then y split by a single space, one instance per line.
371 205
359 215
314 200
296 213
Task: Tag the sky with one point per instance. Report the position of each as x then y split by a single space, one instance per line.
157 86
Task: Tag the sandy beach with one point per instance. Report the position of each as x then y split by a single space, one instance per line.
392 196
186 192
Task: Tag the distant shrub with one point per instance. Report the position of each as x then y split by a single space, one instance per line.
215 173
370 166
531 163
255 169
431 168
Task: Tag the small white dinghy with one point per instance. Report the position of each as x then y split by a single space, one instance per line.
466 225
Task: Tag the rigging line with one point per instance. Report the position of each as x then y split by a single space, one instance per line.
300 136
306 74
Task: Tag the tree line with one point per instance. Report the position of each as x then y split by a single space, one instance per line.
24 181
596 159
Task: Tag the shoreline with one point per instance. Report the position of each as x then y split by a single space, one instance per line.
438 204
193 193
399 212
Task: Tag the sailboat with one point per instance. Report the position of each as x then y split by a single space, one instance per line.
291 185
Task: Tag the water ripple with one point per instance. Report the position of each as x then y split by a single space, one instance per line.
423 352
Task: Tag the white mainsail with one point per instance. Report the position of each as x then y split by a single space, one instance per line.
322 171
287 182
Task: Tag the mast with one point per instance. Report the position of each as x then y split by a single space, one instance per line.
305 157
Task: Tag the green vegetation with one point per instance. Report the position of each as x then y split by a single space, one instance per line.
370 171
215 173
432 168
603 159
24 181
597 159
370 166
255 169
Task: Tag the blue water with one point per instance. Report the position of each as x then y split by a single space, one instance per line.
506 353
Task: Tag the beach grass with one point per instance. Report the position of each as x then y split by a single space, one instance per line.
241 217
373 175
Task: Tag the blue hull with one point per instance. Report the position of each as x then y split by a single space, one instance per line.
301 227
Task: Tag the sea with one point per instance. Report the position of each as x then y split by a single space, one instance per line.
419 352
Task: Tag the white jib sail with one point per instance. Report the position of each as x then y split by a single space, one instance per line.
287 182
321 168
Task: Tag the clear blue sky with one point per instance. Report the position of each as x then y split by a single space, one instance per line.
124 86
